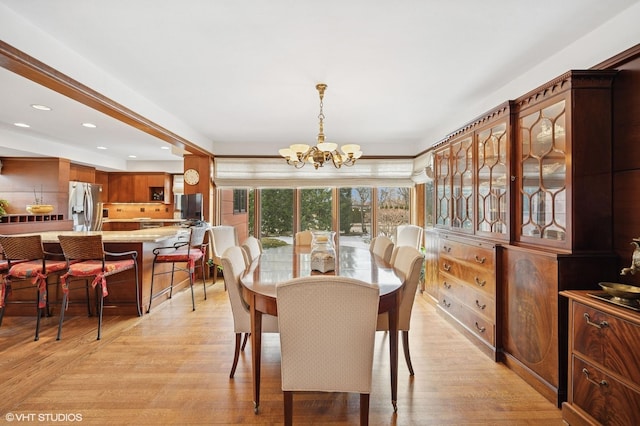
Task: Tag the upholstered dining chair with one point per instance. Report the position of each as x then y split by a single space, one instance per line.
222 237
409 235
408 263
252 249
303 238
87 258
26 260
382 247
327 333
183 256
233 264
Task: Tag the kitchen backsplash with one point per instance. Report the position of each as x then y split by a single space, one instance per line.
134 210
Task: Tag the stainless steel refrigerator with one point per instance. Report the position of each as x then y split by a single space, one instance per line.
85 206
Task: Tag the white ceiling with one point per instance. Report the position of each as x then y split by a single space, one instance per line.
238 78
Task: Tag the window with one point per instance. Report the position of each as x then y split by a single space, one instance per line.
239 201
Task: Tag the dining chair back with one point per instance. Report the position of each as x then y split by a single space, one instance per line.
222 237
26 260
252 249
234 266
382 247
86 258
303 238
327 333
408 263
183 255
409 235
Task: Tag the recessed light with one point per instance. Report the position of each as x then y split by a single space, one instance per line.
40 107
21 125
89 125
132 156
101 147
164 147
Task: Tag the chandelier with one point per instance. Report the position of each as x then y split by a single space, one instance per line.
323 152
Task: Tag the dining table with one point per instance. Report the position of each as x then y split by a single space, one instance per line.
280 264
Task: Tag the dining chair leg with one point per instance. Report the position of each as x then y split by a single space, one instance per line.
364 409
288 408
405 346
244 342
236 355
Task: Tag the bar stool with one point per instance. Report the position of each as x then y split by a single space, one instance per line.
26 259
86 257
188 252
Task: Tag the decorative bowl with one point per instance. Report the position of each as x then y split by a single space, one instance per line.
623 291
39 208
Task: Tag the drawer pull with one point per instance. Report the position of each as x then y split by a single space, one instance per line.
480 259
446 267
445 304
480 283
446 249
446 285
480 329
480 306
600 325
595 382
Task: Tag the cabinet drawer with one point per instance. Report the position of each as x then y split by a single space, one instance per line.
603 397
478 301
467 253
480 278
477 324
607 340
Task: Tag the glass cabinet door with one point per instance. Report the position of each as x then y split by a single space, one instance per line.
493 180
443 187
542 161
462 184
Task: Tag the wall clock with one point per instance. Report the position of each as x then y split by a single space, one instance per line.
191 176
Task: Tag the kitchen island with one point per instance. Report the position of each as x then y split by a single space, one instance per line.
121 299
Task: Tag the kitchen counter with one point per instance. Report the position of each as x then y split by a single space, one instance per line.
143 219
152 235
138 223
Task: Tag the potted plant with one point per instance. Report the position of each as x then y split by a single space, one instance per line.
3 205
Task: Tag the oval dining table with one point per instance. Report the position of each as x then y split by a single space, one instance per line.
280 264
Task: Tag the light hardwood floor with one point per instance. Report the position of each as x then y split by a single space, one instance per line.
172 367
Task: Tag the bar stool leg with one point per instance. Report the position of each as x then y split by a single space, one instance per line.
62 309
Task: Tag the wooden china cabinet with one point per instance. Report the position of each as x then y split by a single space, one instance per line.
562 236
472 198
523 210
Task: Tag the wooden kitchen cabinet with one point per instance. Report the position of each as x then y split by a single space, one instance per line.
121 188
140 188
603 359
